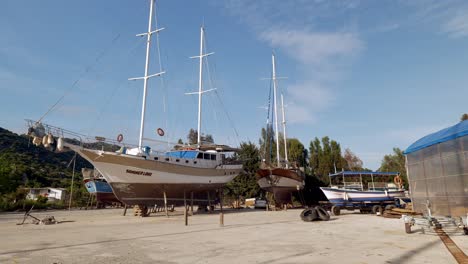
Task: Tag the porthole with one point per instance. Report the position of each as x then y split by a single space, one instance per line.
156 158
194 162
186 161
177 160
167 159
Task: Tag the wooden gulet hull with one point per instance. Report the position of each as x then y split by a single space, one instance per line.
282 183
136 180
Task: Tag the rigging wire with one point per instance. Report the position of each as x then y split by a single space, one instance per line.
269 123
83 74
163 84
131 51
210 79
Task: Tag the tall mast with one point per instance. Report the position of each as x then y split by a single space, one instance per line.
200 84
284 132
146 77
276 109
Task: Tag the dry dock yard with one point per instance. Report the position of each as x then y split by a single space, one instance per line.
248 236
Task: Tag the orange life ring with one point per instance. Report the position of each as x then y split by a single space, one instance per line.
120 138
398 181
160 132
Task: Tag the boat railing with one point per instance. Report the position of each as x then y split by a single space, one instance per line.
353 185
39 129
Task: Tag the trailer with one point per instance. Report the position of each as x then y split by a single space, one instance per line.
367 196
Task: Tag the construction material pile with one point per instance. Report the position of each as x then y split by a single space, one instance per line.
398 212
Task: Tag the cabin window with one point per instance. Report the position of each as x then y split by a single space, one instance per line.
167 159
186 161
177 160
213 157
194 162
156 158
200 156
206 156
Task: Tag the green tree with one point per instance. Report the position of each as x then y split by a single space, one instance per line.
193 137
325 157
395 163
267 144
296 152
315 152
353 162
245 184
464 117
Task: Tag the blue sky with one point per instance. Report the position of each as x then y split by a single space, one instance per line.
372 75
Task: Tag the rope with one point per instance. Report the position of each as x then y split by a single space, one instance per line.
231 122
114 91
87 69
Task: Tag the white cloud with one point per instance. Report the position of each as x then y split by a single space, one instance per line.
457 26
306 99
320 53
314 48
408 135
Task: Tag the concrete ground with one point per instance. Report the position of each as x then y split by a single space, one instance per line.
249 236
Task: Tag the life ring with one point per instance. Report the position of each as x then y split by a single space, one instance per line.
398 181
120 138
160 132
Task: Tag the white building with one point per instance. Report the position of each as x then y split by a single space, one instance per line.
52 194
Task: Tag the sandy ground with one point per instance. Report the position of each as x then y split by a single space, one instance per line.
249 236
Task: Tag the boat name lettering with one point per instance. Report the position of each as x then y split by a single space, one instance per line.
144 173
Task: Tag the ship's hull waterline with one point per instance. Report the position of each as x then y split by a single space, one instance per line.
282 183
136 180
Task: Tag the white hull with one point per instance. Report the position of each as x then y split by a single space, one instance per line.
336 195
120 174
145 180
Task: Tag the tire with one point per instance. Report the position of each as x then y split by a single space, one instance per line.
377 208
389 207
336 210
309 214
322 213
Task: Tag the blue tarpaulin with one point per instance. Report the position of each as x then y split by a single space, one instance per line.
446 134
184 154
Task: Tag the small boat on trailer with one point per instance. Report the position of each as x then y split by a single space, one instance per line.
369 196
96 185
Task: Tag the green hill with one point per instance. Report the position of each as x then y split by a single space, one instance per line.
22 164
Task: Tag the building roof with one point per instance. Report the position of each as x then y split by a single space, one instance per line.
446 134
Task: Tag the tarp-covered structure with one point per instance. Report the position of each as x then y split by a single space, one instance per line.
437 166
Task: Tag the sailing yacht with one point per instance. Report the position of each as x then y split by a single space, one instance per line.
141 176
280 179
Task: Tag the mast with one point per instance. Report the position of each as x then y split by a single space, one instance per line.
276 109
200 84
146 77
284 132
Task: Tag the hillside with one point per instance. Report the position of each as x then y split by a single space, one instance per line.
23 164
